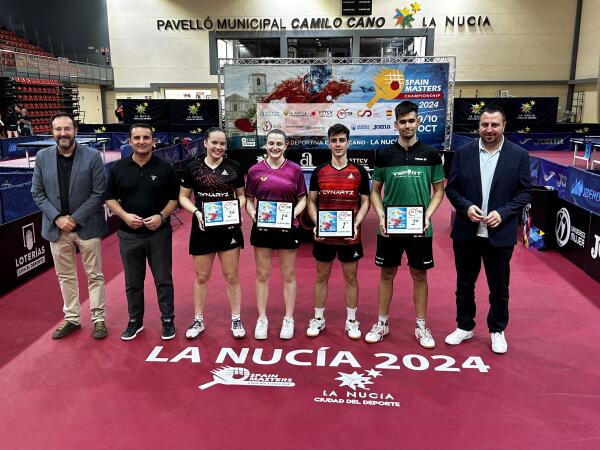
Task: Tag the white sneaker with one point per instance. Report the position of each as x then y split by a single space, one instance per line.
378 331
237 329
499 344
458 335
262 325
315 326
424 337
287 328
195 329
352 329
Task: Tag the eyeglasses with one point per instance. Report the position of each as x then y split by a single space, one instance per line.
61 129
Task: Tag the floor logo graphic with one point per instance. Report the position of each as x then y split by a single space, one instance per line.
240 376
357 392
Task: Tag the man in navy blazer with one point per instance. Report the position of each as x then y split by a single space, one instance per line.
489 184
68 184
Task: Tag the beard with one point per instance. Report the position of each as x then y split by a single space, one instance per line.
65 143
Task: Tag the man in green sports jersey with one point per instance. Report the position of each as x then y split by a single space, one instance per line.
408 169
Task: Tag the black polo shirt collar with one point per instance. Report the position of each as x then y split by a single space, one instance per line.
152 161
415 146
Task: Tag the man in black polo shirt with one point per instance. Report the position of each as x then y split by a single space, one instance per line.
142 191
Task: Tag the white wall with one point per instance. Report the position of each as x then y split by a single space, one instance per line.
590 102
588 59
589 40
527 40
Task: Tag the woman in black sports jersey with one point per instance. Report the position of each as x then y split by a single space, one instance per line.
214 178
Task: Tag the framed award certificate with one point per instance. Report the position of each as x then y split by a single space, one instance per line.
271 214
404 219
335 223
221 213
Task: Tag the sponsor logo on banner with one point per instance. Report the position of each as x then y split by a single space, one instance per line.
526 111
596 248
269 114
141 114
33 256
248 142
359 126
107 212
565 231
193 112
306 160
475 111
578 189
343 113
562 227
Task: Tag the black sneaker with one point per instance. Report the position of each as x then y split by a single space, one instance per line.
133 328
65 329
100 331
168 329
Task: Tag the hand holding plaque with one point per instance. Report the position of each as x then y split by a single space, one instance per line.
221 213
407 220
272 214
338 223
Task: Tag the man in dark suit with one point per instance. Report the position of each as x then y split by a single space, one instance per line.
489 184
68 184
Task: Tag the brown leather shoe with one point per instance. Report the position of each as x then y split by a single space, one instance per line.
100 331
65 329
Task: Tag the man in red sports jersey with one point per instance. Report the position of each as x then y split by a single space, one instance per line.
338 185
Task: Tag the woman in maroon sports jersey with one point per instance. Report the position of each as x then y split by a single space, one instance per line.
214 178
279 180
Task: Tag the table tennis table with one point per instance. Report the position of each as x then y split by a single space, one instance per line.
591 148
90 141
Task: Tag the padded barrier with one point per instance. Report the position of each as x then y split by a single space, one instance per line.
8 179
8 146
15 183
17 202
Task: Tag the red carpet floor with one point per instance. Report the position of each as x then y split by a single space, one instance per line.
78 393
561 157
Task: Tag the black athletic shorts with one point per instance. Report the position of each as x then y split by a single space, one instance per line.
345 253
275 239
418 250
215 240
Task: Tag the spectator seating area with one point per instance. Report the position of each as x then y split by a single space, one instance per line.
9 40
